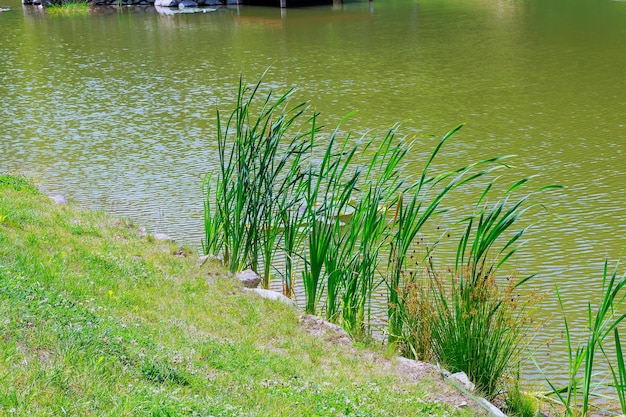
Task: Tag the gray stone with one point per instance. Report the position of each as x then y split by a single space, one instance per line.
210 257
464 380
187 3
162 237
163 10
59 199
272 295
249 278
492 408
166 3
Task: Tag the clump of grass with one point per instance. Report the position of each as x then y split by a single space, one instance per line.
464 318
423 201
254 178
18 183
518 403
69 7
279 189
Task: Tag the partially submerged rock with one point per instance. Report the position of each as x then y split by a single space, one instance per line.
172 7
187 3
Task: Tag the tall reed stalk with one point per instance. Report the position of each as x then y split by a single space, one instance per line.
329 186
602 324
213 239
256 170
368 231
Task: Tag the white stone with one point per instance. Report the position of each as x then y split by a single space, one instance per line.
166 3
162 237
59 199
203 259
272 295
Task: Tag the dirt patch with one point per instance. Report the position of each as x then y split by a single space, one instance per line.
324 330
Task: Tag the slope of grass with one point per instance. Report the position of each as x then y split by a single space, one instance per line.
97 320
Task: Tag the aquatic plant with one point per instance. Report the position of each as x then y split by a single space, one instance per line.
328 188
602 324
336 208
68 7
410 218
464 317
252 179
368 231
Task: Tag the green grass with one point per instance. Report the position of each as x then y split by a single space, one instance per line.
97 320
69 7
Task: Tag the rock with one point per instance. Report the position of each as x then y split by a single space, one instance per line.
203 259
272 295
249 278
59 199
187 3
464 380
163 10
166 3
495 411
162 237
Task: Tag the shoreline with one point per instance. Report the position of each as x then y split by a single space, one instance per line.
74 238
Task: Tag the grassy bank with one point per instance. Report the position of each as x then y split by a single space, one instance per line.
97 319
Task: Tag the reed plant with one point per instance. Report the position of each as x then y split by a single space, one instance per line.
213 240
68 7
329 187
464 317
368 231
255 167
480 327
335 208
423 200
602 329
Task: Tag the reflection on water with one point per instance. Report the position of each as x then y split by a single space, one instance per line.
116 109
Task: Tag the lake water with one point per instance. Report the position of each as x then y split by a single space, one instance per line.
116 109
